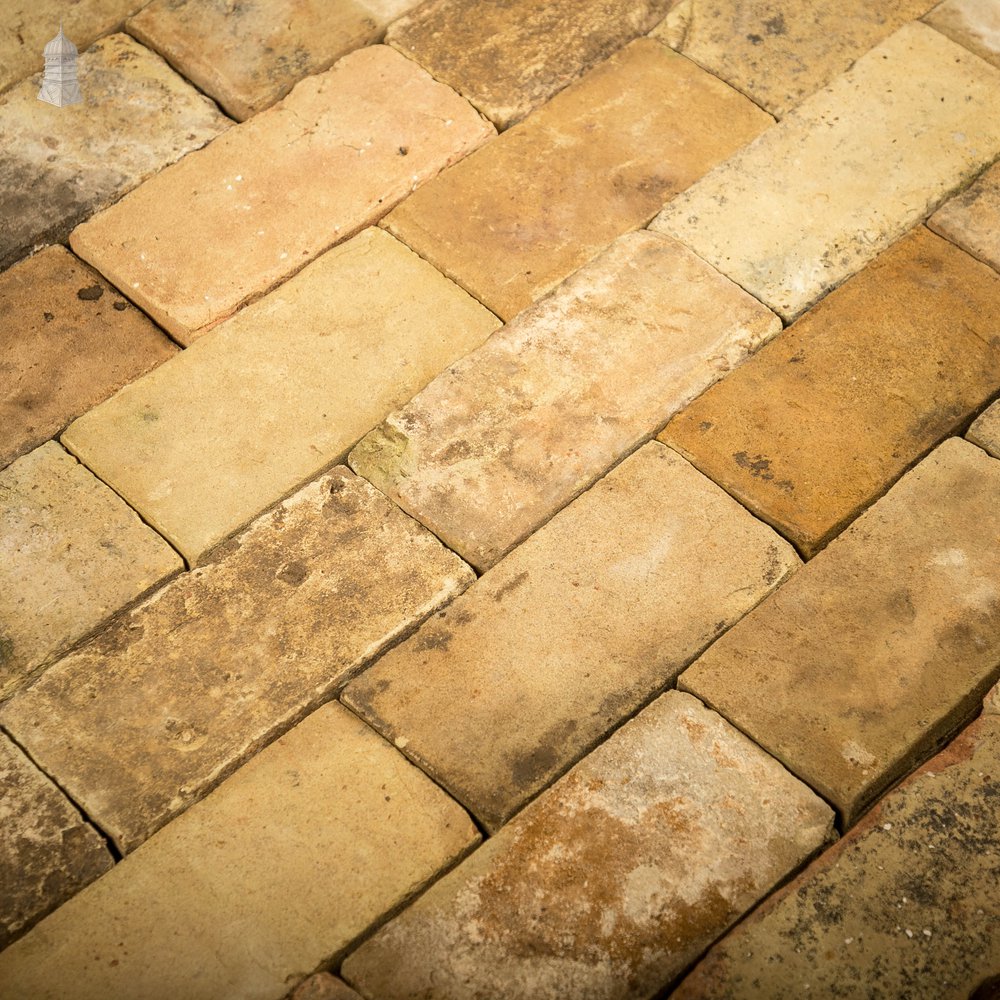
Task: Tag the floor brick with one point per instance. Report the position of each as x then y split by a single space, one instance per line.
876 650
153 712
509 57
499 442
845 174
972 23
985 431
223 226
904 906
614 879
323 986
318 363
67 342
972 219
507 224
71 555
572 633
904 354
47 851
277 871
60 165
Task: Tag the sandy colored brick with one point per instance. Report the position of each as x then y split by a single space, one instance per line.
279 392
156 710
846 173
224 226
599 160
68 340
972 23
60 165
612 881
72 553
904 353
277 871
985 431
874 652
578 628
507 436
323 986
972 219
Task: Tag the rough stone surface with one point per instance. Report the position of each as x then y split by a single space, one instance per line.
509 223
60 165
221 227
156 710
904 906
611 882
507 436
874 652
847 172
972 23
985 431
509 57
47 851
572 633
972 219
72 553
284 865
279 392
68 340
904 354
323 986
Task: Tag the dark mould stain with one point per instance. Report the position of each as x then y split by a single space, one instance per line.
6 650
403 150
511 585
755 39
121 305
775 25
49 317
758 466
90 294
293 573
705 425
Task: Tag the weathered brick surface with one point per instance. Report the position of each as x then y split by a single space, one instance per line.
903 354
847 172
972 219
510 434
71 554
572 633
153 712
223 226
60 165
323 986
509 223
277 871
68 340
985 431
972 23
873 652
314 365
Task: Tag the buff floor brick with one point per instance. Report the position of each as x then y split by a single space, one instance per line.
71 555
281 391
60 165
507 223
985 431
972 219
323 986
905 353
499 442
223 226
155 711
972 23
874 652
277 871
847 172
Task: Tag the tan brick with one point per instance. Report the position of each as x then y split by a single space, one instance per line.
60 165
612 881
277 871
985 431
598 611
221 227
319 362
71 555
846 173
903 353
877 649
972 219
67 342
323 986
499 442
509 224
156 710
972 23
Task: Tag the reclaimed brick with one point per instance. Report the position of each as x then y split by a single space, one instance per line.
278 870
510 434
221 227
611 882
507 223
67 342
573 632
156 710
58 166
323 986
985 431
320 361
972 23
904 353
971 220
72 553
846 173
877 650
